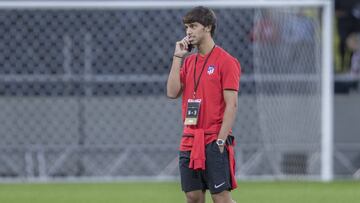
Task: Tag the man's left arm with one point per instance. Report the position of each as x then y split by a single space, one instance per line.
231 104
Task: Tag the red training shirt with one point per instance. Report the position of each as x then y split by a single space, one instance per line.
221 72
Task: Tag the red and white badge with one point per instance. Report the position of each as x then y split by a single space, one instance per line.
192 111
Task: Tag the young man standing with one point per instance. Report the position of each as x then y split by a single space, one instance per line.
208 82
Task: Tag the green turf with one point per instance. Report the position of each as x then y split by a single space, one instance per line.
248 192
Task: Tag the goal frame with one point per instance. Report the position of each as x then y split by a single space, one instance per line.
326 45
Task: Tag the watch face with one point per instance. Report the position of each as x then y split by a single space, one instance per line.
220 142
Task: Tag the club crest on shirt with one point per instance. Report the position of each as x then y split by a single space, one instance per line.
211 70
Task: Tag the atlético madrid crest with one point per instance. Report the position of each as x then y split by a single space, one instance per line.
210 70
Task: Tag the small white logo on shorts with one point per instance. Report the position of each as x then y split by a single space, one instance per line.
217 186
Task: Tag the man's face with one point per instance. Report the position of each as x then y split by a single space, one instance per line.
196 32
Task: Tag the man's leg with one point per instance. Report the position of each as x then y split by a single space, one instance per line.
222 197
191 181
218 174
197 196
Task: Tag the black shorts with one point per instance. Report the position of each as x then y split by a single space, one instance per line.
216 176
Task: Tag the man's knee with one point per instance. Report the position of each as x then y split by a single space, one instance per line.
195 197
222 197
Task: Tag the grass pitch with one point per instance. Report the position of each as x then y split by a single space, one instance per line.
170 192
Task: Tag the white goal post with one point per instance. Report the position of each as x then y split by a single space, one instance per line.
326 45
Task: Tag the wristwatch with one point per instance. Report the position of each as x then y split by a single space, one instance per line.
220 142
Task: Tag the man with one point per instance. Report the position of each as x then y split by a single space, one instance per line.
348 21
208 82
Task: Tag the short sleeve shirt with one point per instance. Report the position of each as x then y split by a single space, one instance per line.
221 72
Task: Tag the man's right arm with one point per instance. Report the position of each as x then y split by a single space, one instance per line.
174 87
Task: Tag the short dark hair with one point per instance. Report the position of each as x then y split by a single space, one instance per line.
203 15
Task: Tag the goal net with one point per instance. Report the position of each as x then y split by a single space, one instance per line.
82 88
